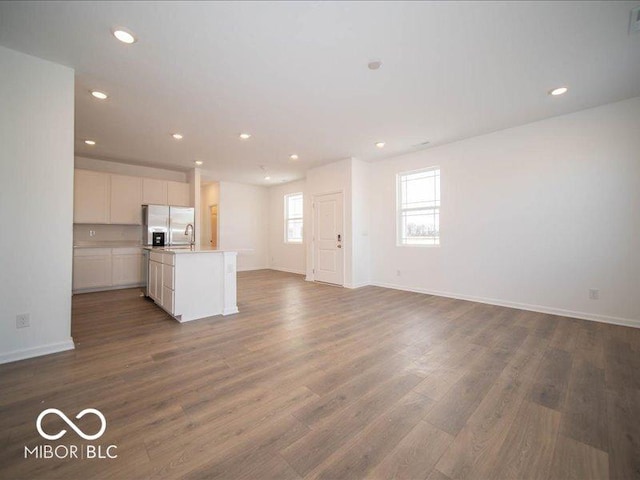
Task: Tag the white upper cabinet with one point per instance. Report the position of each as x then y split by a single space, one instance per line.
100 197
90 197
154 192
178 194
126 200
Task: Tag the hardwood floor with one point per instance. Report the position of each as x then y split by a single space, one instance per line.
313 381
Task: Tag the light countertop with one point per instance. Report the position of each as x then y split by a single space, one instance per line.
107 245
183 250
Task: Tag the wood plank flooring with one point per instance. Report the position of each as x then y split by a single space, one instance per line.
316 382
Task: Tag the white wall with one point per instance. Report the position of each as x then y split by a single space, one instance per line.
242 219
36 204
532 216
126 169
210 195
360 220
287 257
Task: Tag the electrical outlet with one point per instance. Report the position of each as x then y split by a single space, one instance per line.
92 233
22 320
594 293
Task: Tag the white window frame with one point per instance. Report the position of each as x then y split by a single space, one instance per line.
401 241
288 218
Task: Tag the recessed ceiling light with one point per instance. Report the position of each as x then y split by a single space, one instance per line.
99 95
124 36
380 144
558 91
90 142
374 65
245 136
293 156
267 177
177 136
199 162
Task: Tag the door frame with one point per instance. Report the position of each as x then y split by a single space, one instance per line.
217 205
313 236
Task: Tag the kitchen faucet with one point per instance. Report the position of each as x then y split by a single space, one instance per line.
189 231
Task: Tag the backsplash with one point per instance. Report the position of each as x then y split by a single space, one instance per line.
107 233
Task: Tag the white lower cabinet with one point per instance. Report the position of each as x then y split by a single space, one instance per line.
107 268
127 269
161 280
155 281
167 299
168 276
92 269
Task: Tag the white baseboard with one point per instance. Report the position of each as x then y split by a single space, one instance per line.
626 322
356 285
251 269
37 351
107 289
230 311
287 270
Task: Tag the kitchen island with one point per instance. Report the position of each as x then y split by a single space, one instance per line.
191 282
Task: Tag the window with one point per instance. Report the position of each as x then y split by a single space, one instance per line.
293 218
419 207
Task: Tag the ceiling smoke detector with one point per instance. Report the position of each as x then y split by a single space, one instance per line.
374 64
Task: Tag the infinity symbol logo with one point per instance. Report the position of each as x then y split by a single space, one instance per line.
71 424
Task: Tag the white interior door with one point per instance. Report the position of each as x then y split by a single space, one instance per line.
328 239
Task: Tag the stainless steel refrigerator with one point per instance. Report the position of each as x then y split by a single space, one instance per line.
174 224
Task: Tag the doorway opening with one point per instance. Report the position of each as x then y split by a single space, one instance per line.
213 215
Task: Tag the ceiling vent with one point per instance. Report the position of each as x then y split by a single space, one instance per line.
634 26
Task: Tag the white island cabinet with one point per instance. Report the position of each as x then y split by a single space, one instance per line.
193 283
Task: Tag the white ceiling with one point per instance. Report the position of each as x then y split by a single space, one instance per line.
295 75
